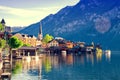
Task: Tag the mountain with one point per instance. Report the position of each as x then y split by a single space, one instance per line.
88 20
16 29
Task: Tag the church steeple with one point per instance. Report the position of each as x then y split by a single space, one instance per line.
40 30
40 37
3 22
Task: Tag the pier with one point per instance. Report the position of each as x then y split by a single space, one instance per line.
6 68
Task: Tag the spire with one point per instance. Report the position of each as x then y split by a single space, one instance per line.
3 21
40 32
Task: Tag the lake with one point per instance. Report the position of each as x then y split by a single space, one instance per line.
68 67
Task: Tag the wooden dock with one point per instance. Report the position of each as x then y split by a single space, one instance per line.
6 75
6 69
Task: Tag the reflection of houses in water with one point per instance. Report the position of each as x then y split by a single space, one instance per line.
108 54
99 56
55 61
82 59
69 59
90 57
32 65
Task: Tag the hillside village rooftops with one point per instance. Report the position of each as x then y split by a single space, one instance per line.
29 36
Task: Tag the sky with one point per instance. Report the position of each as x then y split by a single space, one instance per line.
26 12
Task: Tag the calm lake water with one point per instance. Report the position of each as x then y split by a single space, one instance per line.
70 67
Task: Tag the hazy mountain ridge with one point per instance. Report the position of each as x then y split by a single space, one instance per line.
16 29
89 20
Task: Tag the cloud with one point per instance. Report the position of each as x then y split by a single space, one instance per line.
29 15
26 12
36 3
30 11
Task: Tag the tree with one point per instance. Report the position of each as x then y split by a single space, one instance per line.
47 38
2 43
1 27
14 42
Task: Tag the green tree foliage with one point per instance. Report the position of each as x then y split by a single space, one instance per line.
14 42
2 43
27 45
47 38
1 27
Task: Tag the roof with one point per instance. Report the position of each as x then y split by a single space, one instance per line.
28 48
61 41
26 35
52 40
3 21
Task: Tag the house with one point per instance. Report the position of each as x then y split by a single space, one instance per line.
89 48
53 43
31 39
81 44
24 51
27 39
69 44
5 34
8 29
62 43
28 51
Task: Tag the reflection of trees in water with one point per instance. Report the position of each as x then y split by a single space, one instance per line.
31 63
17 67
47 63
99 56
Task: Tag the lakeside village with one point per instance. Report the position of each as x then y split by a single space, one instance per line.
17 46
48 44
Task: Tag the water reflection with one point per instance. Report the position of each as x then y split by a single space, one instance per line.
47 63
82 60
90 57
99 56
37 68
69 59
108 55
17 67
